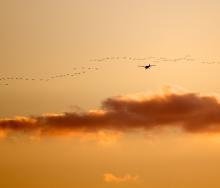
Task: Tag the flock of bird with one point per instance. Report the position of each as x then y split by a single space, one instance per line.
187 58
77 71
153 59
210 62
4 80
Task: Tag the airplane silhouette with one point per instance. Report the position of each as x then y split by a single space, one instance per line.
147 66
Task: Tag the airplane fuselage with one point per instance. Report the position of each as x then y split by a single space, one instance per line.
147 66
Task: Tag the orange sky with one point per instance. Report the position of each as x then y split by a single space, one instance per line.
42 39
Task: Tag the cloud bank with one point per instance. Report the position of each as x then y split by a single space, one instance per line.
188 111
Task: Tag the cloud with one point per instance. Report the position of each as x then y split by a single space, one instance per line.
188 111
111 178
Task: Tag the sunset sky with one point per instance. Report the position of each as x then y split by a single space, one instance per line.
78 111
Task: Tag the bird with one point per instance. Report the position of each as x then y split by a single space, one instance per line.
147 66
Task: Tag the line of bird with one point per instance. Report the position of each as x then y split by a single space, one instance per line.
152 59
75 73
187 58
210 62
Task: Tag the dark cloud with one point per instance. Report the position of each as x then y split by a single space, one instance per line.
188 111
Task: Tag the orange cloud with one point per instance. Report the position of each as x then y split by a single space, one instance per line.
188 111
111 178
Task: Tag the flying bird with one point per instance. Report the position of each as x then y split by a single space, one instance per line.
147 66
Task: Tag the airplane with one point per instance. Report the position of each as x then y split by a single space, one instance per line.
147 66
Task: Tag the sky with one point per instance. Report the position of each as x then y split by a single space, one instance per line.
78 111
